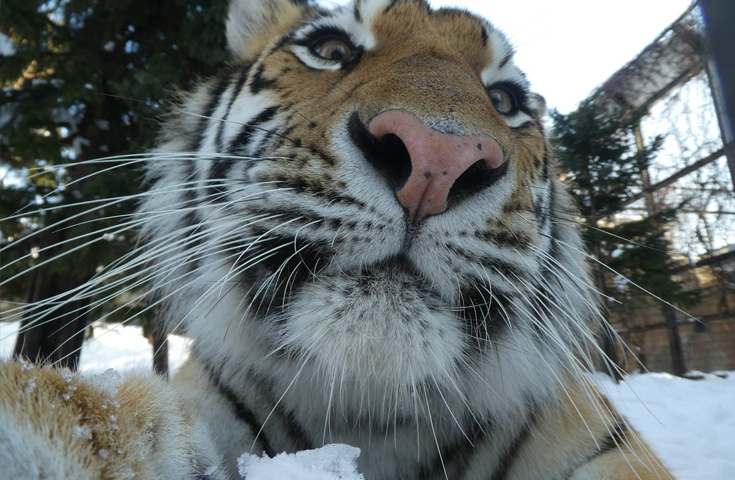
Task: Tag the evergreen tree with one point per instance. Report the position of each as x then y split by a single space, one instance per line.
88 79
604 165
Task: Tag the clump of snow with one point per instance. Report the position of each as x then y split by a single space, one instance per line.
29 385
331 462
109 381
83 431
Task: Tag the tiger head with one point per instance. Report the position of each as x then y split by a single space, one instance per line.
367 193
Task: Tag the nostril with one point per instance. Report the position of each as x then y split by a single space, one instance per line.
387 154
392 159
427 168
479 176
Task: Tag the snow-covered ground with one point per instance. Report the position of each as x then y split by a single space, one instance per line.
114 346
690 424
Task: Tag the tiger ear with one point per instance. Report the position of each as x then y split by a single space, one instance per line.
541 104
251 24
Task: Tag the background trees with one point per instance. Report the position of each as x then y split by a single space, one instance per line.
85 79
604 162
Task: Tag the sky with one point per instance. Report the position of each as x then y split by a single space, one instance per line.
569 47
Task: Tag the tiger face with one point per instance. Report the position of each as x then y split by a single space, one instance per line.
372 195
361 212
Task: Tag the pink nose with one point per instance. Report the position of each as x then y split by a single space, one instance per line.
437 160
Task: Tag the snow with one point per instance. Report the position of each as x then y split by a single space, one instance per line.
7 48
331 462
113 346
690 424
79 143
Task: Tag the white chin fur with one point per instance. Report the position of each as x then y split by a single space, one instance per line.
377 329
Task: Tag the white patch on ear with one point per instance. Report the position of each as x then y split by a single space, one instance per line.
369 9
538 103
248 19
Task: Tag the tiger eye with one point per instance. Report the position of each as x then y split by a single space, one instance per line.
333 49
503 101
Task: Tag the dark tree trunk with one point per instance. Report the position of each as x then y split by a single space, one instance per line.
160 350
610 349
677 355
52 333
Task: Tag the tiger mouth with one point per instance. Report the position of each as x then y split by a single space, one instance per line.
397 265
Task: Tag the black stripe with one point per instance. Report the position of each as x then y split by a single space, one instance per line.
491 264
542 208
541 301
242 78
215 93
554 251
506 238
507 460
265 143
220 168
276 252
242 140
614 439
457 455
496 265
390 6
190 200
485 316
259 82
611 441
283 41
296 434
193 240
243 412
505 60
547 161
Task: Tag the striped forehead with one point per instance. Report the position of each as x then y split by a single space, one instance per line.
501 67
357 18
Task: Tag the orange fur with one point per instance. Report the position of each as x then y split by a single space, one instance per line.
57 424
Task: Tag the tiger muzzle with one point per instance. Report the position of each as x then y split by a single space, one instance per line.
427 168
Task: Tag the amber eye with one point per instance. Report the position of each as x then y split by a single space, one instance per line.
503 101
332 49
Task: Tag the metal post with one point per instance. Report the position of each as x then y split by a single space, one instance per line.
719 16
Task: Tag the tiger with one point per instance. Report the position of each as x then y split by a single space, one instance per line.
360 226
